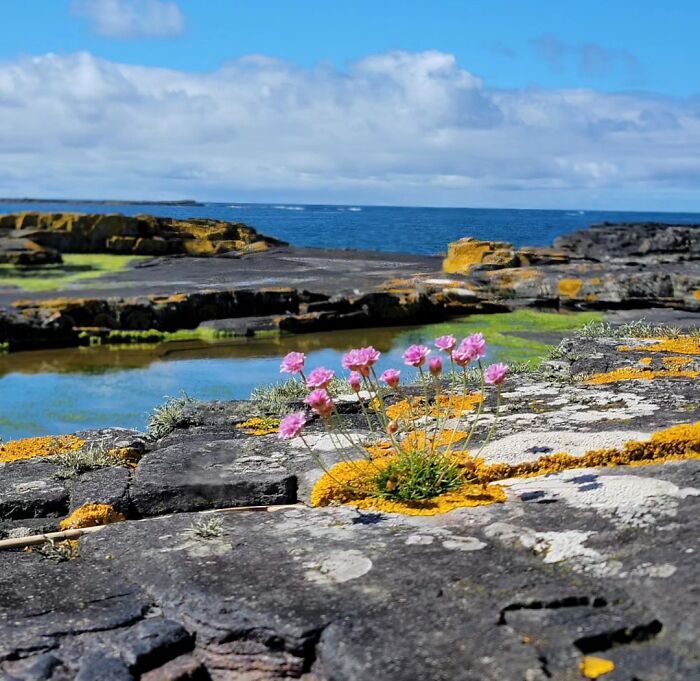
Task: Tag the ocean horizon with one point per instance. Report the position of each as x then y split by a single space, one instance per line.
398 229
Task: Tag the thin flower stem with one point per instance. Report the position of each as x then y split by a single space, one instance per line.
480 408
492 430
319 461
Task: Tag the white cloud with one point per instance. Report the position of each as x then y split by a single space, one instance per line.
398 127
130 18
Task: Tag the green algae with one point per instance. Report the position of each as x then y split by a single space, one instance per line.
76 267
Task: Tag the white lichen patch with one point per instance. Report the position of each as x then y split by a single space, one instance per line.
629 500
463 544
199 548
338 567
528 446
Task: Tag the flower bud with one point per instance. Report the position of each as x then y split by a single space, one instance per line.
392 427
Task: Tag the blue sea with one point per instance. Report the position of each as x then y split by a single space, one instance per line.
383 228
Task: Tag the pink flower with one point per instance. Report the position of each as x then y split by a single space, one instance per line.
291 425
320 402
495 374
355 381
461 356
361 359
435 366
319 378
474 345
415 355
446 343
391 377
293 363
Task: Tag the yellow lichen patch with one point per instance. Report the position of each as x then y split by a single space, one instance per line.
646 361
418 440
352 483
450 406
630 374
130 455
675 362
259 426
594 667
31 447
91 515
673 444
570 288
464 254
696 294
682 345
512 276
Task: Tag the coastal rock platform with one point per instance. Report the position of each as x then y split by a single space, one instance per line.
279 289
589 572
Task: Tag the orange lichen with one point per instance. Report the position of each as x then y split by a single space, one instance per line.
646 361
464 254
676 443
570 288
674 362
91 515
353 483
28 448
696 294
631 374
449 406
259 426
681 345
595 667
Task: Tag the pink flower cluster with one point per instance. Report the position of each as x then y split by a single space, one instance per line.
415 355
293 363
319 378
361 360
291 425
495 374
320 402
471 348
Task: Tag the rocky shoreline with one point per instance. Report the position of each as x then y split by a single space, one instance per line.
582 571
253 283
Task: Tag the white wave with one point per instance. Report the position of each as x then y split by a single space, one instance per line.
289 207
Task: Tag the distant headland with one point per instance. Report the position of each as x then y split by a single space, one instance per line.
104 202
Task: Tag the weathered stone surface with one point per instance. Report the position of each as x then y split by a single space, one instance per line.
30 490
639 241
200 473
139 235
103 486
25 252
586 562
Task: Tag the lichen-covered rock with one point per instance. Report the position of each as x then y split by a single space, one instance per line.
649 241
139 235
24 252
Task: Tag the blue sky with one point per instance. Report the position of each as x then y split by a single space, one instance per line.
500 102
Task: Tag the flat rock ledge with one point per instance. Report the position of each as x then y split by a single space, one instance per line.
271 288
586 563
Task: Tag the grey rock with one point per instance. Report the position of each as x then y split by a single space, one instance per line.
29 490
200 473
103 486
151 643
101 667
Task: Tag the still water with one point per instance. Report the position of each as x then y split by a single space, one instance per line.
61 391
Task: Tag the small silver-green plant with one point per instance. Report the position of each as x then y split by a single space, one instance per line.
207 528
166 417
275 398
640 328
89 458
59 551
